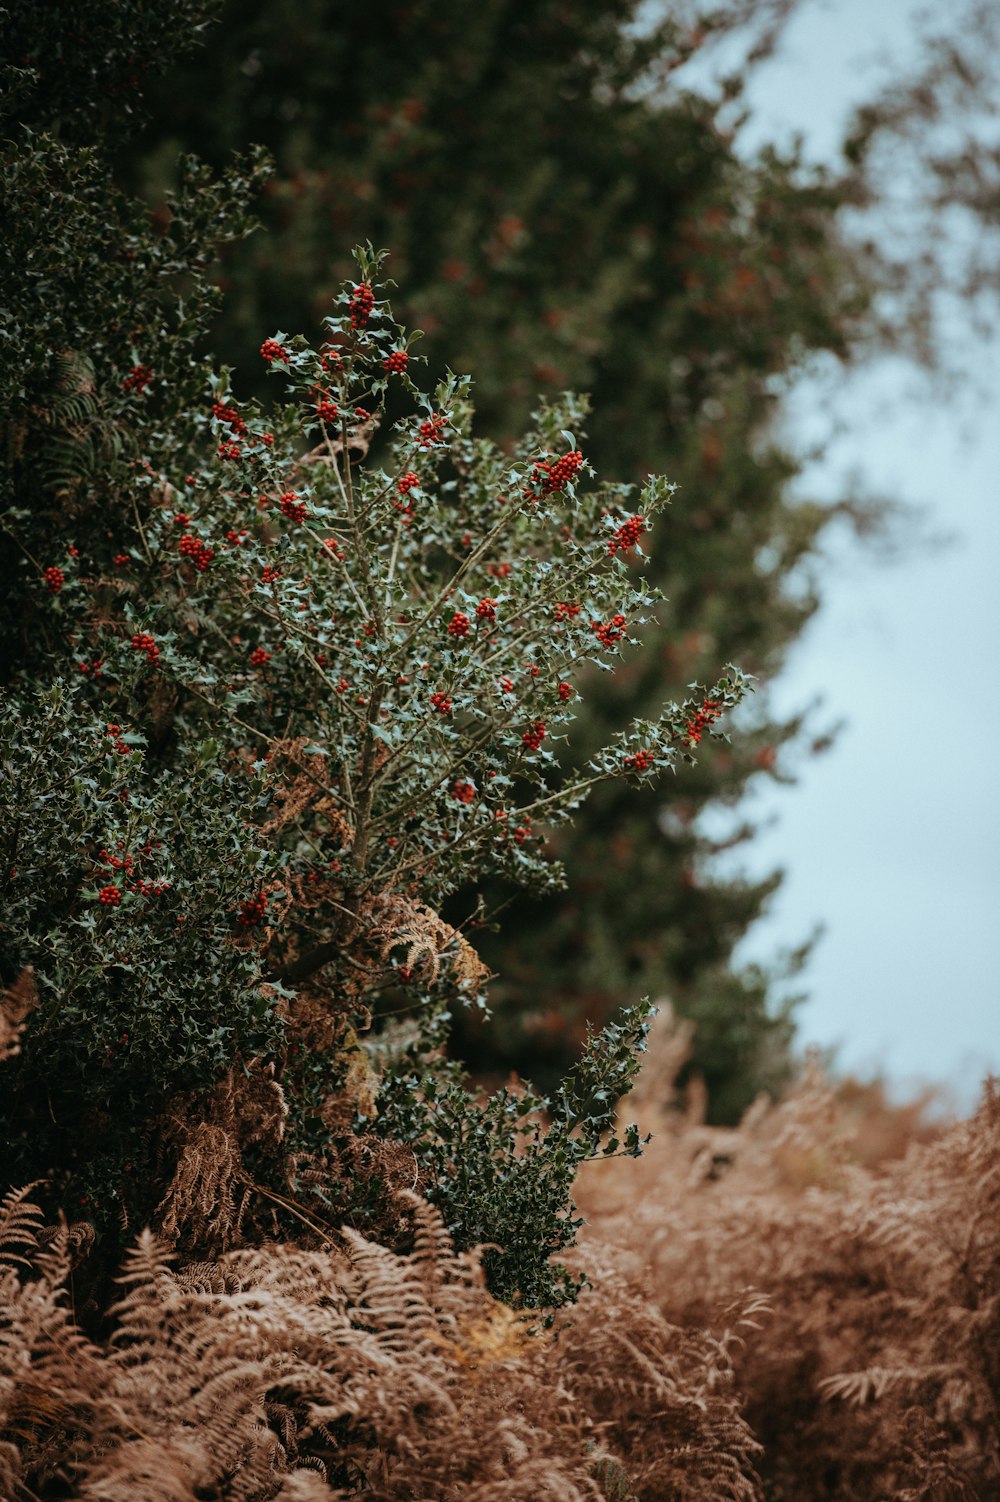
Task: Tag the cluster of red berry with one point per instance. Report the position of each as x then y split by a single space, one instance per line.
143 886
122 862
253 912
431 430
113 733
640 761
54 579
326 408
361 304
565 611
441 703
553 475
627 535
534 735
143 642
396 363
138 378
272 350
565 691
270 573
709 712
230 417
458 625
464 792
292 507
608 633
197 551
259 657
486 610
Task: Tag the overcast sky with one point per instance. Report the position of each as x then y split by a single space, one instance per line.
892 840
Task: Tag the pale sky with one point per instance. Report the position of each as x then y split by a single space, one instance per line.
892 840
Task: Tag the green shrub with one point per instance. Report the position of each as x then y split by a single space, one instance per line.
271 703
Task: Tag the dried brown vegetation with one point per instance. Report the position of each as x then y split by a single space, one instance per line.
302 1375
17 1002
770 1315
875 1373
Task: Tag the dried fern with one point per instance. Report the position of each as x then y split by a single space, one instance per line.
429 943
875 1367
17 1002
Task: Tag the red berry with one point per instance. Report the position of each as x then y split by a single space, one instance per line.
361 304
143 642
431 430
627 535
252 912
138 378
608 633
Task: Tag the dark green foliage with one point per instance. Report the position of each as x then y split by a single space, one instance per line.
79 70
138 1000
502 1172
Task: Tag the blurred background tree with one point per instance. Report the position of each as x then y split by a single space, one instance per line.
558 201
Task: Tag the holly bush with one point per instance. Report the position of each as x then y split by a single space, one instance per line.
355 677
273 697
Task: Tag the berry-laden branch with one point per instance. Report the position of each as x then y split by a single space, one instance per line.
469 596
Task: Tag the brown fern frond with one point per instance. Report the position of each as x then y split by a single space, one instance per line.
20 1224
302 790
205 1198
17 1002
397 922
209 1192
